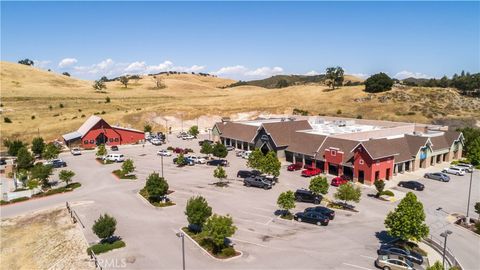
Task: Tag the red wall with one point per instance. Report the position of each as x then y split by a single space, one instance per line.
370 166
129 136
115 136
333 159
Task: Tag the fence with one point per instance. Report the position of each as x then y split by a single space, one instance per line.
437 244
75 218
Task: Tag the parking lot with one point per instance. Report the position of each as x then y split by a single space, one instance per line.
350 241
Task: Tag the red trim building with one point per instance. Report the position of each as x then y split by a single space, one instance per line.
96 131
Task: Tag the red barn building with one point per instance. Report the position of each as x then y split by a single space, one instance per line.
96 131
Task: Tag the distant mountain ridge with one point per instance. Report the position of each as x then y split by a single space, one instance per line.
280 81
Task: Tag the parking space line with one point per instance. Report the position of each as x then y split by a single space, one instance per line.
248 242
368 257
357 266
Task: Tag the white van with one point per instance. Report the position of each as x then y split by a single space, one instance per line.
114 157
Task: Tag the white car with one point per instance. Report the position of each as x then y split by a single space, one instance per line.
114 157
465 166
197 160
156 141
239 153
230 148
454 170
76 151
165 153
181 134
188 137
246 154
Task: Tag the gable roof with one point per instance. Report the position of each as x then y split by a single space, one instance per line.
237 131
415 142
305 143
72 136
380 148
346 146
89 124
284 132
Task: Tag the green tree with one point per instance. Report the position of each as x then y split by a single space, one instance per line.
436 266
193 131
380 186
286 201
477 208
147 128
281 83
105 226
470 134
380 82
473 152
37 145
50 151
206 148
219 150
335 75
156 186
24 159
217 228
128 167
66 74
180 160
197 211
99 85
255 159
26 61
319 185
348 192
220 173
42 173
101 150
124 80
407 221
13 146
271 165
66 176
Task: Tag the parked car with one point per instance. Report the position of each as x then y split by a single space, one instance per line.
239 153
409 255
465 166
56 163
156 141
76 151
411 185
165 153
218 162
437 176
114 148
188 137
257 181
204 141
186 161
197 160
178 150
386 263
454 170
295 166
181 134
230 148
322 210
245 173
311 171
303 195
311 217
246 154
114 157
339 180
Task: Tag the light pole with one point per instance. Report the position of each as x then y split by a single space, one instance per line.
161 158
445 235
182 235
469 192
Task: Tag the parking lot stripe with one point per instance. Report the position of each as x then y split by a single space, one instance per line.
356 266
368 257
248 242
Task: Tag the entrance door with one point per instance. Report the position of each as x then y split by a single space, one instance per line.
377 175
361 176
333 169
101 139
388 174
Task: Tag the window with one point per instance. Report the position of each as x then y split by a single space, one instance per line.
116 139
360 162
85 142
333 153
92 141
110 140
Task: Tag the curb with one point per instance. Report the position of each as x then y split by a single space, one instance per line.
151 205
208 253
43 197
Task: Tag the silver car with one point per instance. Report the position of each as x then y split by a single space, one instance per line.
386 263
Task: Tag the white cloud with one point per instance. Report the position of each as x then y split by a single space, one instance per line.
312 73
407 74
240 71
66 62
360 75
136 67
265 72
231 70
165 66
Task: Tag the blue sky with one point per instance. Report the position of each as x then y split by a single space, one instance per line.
244 40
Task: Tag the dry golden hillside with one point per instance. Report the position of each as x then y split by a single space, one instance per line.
40 102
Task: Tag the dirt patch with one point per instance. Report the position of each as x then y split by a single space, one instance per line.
43 240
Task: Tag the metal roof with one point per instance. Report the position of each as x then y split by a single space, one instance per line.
72 136
89 124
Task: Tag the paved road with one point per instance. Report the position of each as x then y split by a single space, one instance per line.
349 242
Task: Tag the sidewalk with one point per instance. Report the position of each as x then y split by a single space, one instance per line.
432 254
419 173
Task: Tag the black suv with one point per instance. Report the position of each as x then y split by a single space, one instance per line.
411 185
245 174
218 162
311 217
303 195
322 210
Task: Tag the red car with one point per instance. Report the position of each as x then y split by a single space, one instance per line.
339 180
311 171
295 166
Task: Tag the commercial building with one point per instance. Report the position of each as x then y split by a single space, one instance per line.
96 131
364 150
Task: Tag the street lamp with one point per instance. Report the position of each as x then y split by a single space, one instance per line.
182 235
469 192
445 235
161 158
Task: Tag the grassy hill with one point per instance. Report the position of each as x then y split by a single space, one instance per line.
45 103
280 81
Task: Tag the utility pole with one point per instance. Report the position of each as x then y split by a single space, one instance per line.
445 235
162 164
469 192
182 235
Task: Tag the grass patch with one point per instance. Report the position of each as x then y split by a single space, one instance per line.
341 206
105 247
205 243
104 162
120 174
287 216
157 203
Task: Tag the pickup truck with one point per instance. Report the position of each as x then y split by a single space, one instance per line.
310 171
257 181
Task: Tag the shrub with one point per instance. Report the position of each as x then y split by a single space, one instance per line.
156 187
147 128
13 146
228 252
339 112
7 120
379 185
387 193
170 148
50 107
359 116
217 228
33 117
105 247
378 83
104 227
193 131
61 105
286 201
